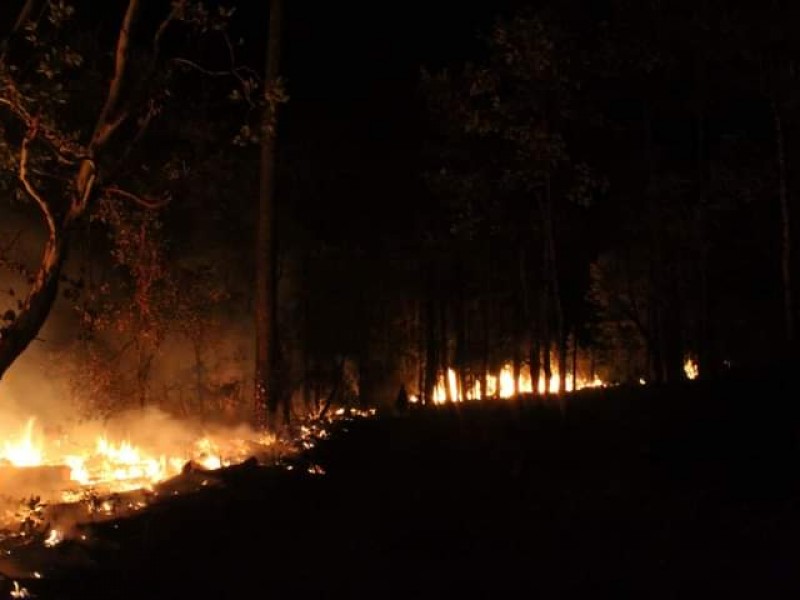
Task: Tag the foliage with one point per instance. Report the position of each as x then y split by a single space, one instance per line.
75 146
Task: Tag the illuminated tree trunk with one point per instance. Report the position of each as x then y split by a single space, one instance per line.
547 368
519 299
419 332
574 358
18 334
431 353
460 361
535 359
550 253
486 322
529 312
444 353
267 394
552 292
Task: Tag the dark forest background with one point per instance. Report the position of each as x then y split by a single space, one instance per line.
604 187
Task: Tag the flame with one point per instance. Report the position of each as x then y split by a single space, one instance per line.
24 452
690 368
54 538
502 386
118 465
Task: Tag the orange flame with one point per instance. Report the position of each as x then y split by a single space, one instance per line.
115 465
502 386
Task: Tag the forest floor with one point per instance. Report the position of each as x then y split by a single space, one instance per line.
654 492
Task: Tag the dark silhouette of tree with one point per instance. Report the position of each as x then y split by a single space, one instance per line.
268 359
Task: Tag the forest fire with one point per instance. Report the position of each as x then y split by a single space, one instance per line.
109 465
502 385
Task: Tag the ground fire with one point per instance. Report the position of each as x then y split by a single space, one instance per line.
502 385
65 466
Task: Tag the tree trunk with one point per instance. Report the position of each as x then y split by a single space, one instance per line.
528 319
460 362
654 343
485 318
552 269
704 342
574 358
267 396
535 359
421 360
486 305
431 346
550 275
786 239
444 354
547 368
19 333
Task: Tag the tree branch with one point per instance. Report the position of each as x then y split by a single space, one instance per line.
144 202
177 9
65 150
23 177
107 123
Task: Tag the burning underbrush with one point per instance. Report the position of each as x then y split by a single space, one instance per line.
132 451
54 481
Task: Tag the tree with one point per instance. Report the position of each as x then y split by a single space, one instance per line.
522 107
267 392
69 139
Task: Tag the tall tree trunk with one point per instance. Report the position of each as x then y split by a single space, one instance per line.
555 288
267 396
419 332
521 316
308 360
562 364
654 342
786 239
550 271
704 342
486 318
535 358
485 364
574 358
460 362
546 343
431 345
528 319
444 353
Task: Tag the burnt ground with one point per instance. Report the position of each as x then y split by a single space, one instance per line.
671 492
